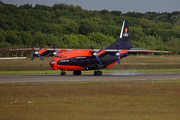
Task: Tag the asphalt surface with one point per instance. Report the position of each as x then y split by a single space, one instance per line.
88 78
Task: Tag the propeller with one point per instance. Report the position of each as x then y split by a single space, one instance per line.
92 48
36 53
118 54
96 54
54 53
54 46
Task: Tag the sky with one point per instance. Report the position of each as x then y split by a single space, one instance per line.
141 6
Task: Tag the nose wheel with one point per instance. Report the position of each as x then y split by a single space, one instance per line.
97 73
63 72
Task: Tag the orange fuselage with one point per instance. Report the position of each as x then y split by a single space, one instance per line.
62 61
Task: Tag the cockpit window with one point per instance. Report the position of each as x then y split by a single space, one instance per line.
56 56
61 56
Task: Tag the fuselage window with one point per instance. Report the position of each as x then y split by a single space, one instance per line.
62 56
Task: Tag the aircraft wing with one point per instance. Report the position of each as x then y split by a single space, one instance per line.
144 51
36 49
138 51
134 50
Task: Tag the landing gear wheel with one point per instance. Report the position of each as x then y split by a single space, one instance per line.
63 73
98 73
76 72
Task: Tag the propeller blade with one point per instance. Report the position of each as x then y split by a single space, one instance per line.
36 53
41 47
98 59
40 57
118 60
92 48
50 55
100 50
95 54
33 57
118 54
54 46
32 48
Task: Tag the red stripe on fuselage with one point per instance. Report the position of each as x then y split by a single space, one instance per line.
112 64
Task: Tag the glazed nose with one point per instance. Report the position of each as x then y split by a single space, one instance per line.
52 62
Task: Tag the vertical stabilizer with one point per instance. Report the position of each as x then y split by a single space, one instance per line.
123 40
125 31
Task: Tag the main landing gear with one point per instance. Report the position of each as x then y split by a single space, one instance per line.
63 72
98 73
76 72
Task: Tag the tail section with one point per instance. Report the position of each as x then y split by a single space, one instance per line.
123 40
125 31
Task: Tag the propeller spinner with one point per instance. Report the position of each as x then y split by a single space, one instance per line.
54 53
96 54
118 54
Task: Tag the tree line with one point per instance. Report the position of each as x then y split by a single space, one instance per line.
69 26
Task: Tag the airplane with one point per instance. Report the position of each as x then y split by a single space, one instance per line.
78 60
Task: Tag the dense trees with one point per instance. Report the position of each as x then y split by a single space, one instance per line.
70 26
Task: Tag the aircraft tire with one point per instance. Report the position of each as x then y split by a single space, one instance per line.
95 72
76 72
63 73
98 73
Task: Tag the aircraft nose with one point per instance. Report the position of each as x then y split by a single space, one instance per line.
52 62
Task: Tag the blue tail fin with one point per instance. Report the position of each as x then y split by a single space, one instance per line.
123 40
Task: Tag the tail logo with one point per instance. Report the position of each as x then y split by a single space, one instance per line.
126 30
125 34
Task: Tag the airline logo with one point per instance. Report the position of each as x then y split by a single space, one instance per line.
125 34
126 30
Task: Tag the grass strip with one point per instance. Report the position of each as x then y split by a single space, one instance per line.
91 100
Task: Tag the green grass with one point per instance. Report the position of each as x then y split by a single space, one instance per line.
152 100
